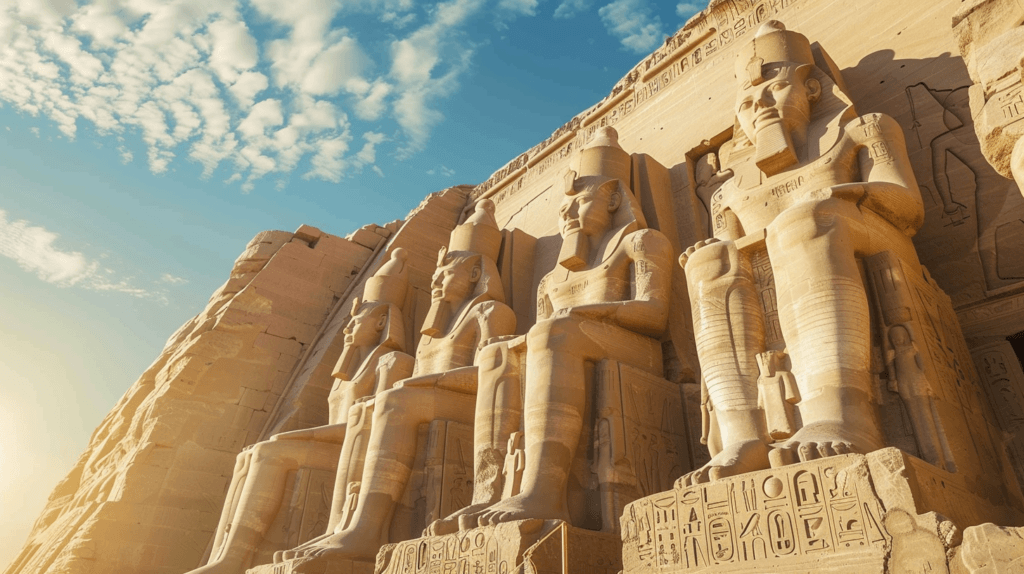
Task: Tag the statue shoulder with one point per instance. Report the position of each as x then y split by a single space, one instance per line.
490 311
646 243
874 126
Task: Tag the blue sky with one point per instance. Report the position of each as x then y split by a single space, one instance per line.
144 142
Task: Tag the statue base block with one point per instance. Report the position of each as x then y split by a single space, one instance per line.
527 546
882 512
315 566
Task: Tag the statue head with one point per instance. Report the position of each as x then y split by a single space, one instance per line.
376 320
466 272
598 203
780 86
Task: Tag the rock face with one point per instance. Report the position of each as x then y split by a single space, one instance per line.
748 313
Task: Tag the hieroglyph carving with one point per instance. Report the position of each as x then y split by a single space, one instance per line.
796 514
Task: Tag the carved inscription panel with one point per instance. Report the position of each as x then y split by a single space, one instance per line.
796 514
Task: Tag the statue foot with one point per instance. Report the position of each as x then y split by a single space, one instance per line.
218 567
819 440
450 524
518 507
350 544
734 459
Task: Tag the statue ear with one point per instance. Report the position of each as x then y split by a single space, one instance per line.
383 321
615 199
474 275
813 89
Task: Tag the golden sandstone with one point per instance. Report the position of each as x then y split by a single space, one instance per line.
753 312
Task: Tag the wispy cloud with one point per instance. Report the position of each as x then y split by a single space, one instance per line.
634 24
688 9
443 171
193 80
570 8
35 250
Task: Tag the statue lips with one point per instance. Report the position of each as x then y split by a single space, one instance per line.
765 118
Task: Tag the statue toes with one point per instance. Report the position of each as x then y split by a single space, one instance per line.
782 456
808 451
825 449
842 447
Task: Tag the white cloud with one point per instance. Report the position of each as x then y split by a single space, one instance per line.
191 79
688 9
172 279
633 23
570 8
34 249
426 66
524 7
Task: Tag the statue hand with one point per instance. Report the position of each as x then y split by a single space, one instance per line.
852 192
690 250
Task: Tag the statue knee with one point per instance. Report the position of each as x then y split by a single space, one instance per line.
552 333
711 262
811 220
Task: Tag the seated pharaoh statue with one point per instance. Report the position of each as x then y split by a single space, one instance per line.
607 299
467 309
261 472
815 190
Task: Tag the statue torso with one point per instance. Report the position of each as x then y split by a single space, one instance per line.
757 200
604 281
453 349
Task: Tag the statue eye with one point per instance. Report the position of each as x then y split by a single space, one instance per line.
780 86
745 104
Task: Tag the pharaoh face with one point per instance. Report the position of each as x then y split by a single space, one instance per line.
588 212
364 328
784 97
454 282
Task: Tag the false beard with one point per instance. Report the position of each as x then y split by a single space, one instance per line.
350 361
775 150
575 251
437 318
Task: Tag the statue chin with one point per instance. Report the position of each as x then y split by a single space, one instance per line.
574 252
437 318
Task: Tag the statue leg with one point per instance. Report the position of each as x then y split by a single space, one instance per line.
350 463
391 453
259 500
728 325
825 319
499 409
557 351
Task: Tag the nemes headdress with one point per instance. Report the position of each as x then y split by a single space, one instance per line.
772 44
390 282
479 234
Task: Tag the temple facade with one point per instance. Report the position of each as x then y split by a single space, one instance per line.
760 309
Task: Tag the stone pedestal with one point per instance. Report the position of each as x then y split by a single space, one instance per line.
882 512
528 546
310 566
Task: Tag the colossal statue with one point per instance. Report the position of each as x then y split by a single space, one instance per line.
467 310
607 298
815 188
261 472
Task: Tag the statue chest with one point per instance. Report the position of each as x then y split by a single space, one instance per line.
608 282
757 200
455 349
